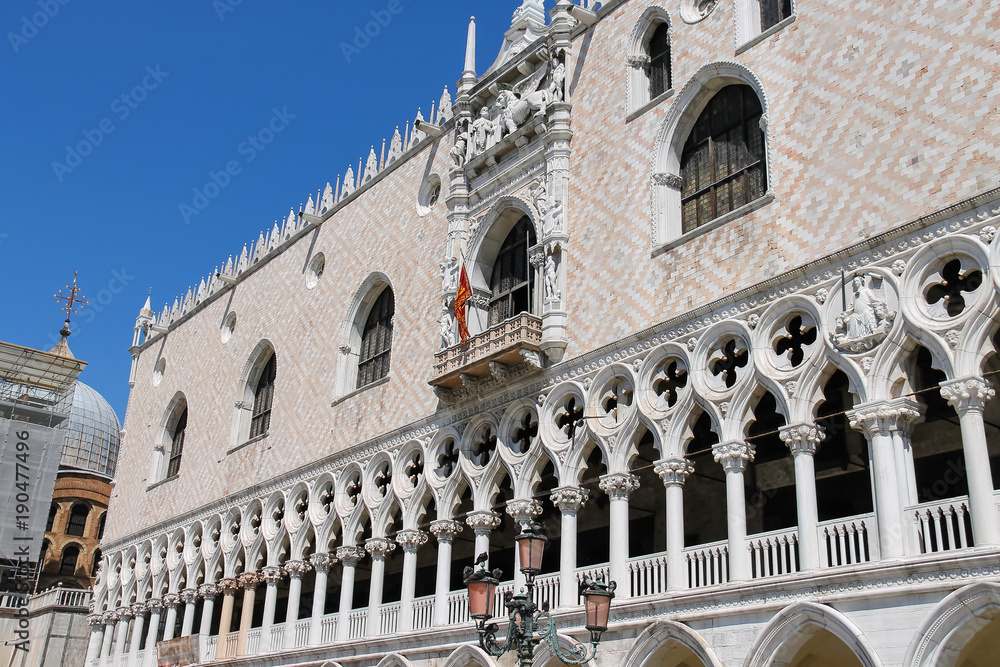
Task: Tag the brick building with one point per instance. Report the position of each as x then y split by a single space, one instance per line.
734 296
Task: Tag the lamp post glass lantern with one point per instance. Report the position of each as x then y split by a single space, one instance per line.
523 616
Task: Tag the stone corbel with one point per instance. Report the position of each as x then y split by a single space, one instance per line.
641 61
672 181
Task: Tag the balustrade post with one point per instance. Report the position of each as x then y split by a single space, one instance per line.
523 511
618 486
878 421
803 440
96 622
171 601
207 593
273 575
190 598
124 616
138 612
155 608
569 500
410 540
445 531
968 396
349 556
295 569
734 457
378 547
250 581
674 472
228 586
110 619
321 562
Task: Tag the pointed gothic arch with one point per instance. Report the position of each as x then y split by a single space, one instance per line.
653 646
375 287
952 624
780 641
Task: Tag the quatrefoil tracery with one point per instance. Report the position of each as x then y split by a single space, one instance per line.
414 468
447 460
946 297
383 478
353 489
525 433
570 418
726 362
796 342
668 382
616 398
484 446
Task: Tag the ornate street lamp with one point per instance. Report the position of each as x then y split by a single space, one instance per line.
524 617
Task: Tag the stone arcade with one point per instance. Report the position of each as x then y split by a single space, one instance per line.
734 331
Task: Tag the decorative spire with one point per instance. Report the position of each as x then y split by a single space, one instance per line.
74 300
470 50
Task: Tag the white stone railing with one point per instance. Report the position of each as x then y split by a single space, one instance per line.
943 525
774 554
458 607
423 612
389 615
328 628
547 590
648 575
11 601
848 541
230 644
59 597
277 634
524 330
302 633
357 621
253 642
707 564
211 644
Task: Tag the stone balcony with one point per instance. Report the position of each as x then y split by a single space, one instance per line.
515 342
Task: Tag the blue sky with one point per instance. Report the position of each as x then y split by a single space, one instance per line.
162 94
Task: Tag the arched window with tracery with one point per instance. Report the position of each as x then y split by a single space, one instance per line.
722 164
176 446
659 61
77 520
260 420
376 340
512 282
69 557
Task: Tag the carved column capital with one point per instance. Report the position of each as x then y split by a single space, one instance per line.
523 510
379 546
228 585
885 417
139 608
673 471
95 619
322 561
296 568
109 617
445 530
619 485
273 574
171 600
124 613
411 539
189 595
154 605
802 438
208 591
569 498
250 580
350 556
483 521
967 394
734 455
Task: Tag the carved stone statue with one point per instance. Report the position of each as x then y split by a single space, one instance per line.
481 133
557 90
458 153
446 327
551 280
449 274
552 218
868 318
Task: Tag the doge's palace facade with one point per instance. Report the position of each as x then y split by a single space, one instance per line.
733 343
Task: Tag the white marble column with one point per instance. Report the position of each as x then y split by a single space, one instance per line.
618 486
378 547
410 540
445 531
228 586
803 440
155 608
349 557
878 421
139 613
250 581
482 522
968 396
272 577
295 570
96 622
125 617
189 596
734 457
207 593
170 601
902 448
321 562
523 511
674 472
110 619
569 500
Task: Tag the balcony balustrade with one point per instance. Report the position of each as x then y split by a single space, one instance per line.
489 353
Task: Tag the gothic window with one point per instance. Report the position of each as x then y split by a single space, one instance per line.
722 164
773 12
68 565
96 563
52 517
176 445
77 520
100 526
512 282
376 340
659 61
260 420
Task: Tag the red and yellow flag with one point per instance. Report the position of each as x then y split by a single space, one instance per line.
464 294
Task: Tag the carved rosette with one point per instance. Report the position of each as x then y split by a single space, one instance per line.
482 521
125 613
411 539
189 595
250 580
322 562
208 591
171 600
229 585
802 438
569 499
884 418
523 511
296 568
967 394
674 471
445 530
379 546
733 456
619 485
272 575
350 556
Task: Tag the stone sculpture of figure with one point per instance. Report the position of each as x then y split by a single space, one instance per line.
556 85
551 280
449 274
461 145
446 328
862 321
867 319
552 218
481 132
